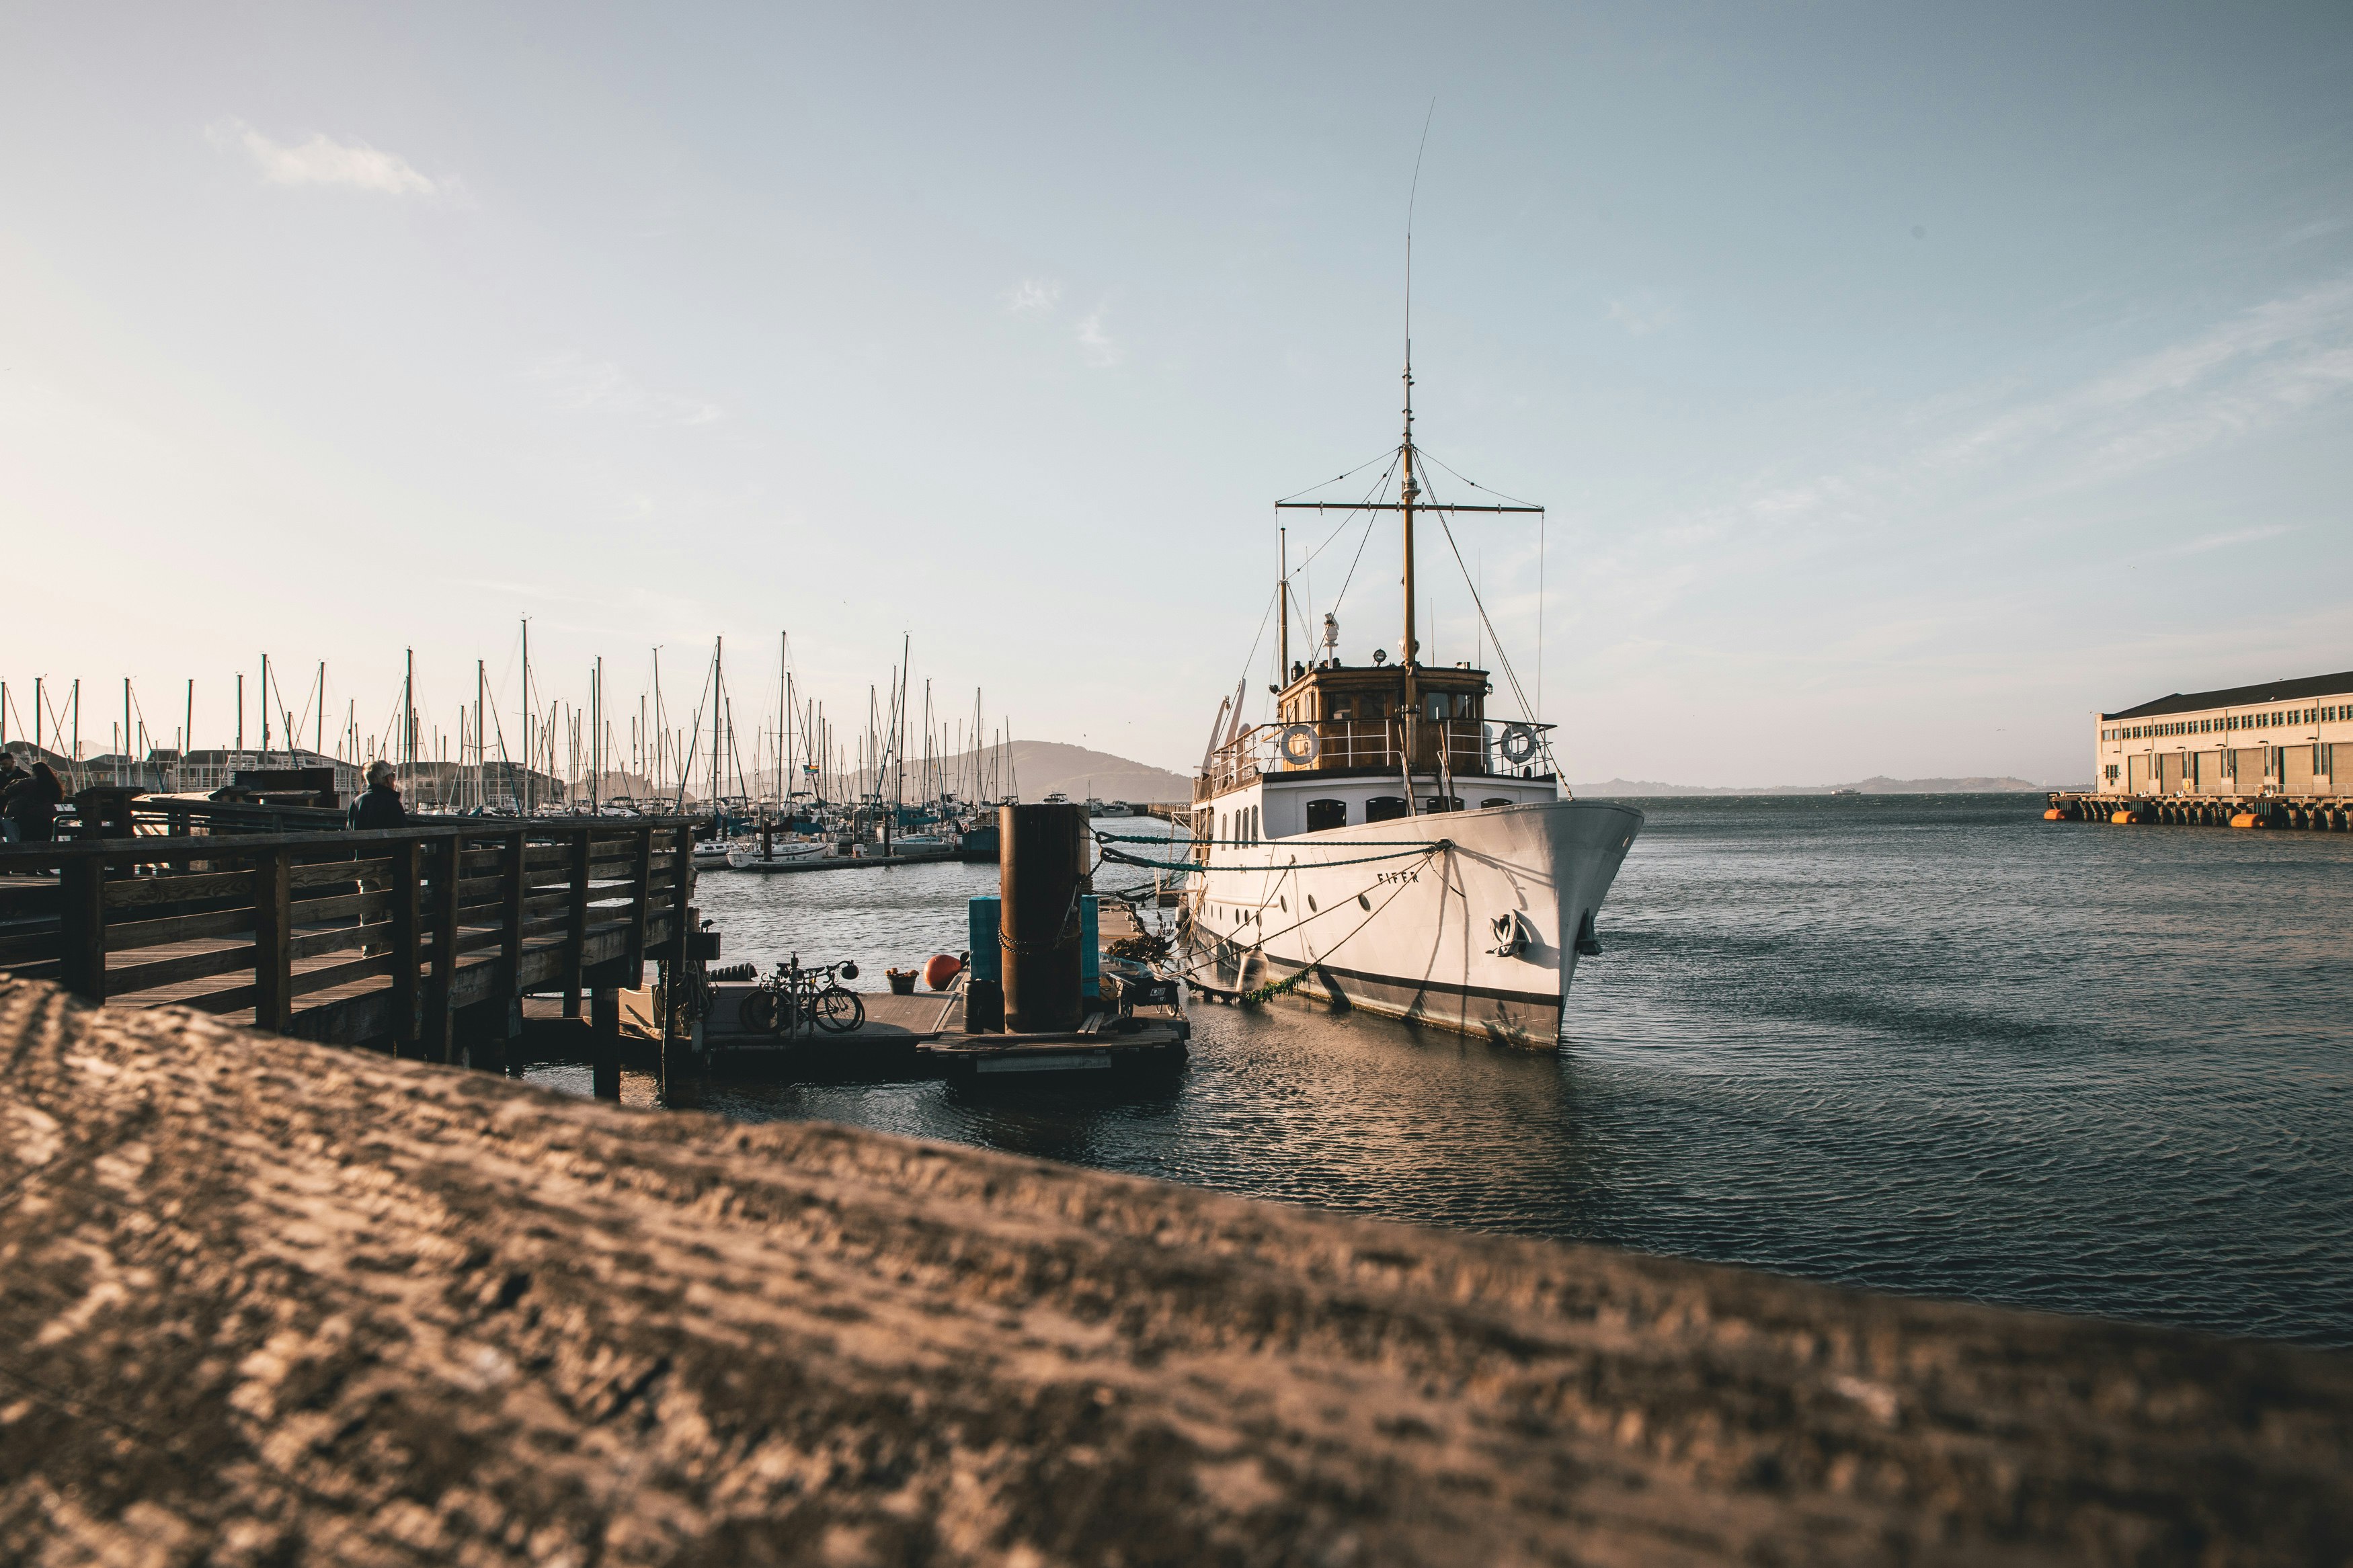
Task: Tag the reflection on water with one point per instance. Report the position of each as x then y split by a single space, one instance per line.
1930 1044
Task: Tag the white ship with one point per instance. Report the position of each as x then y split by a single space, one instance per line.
1389 841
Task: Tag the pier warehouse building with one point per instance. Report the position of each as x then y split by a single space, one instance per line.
2277 745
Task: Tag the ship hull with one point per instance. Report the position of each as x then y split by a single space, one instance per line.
1477 933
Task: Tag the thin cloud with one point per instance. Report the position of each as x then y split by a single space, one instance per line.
1644 312
2218 542
324 162
1095 345
1033 297
584 384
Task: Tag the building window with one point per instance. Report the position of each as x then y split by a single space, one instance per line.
1325 815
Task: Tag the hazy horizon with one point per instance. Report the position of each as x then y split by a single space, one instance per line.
1905 386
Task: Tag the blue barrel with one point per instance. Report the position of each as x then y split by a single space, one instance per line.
981 916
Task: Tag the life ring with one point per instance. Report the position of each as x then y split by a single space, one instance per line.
1299 744
1519 742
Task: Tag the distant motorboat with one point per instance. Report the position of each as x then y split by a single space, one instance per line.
712 854
780 854
912 846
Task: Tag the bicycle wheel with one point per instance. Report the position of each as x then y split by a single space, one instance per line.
838 1011
759 1012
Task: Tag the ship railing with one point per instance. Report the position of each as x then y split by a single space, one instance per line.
1466 747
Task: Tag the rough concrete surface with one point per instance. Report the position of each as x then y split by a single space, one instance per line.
270 1302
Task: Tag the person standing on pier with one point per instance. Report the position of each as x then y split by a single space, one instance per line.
31 807
380 806
11 775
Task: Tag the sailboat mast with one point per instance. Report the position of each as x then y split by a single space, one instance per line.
1282 586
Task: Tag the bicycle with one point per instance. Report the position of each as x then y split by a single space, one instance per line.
793 995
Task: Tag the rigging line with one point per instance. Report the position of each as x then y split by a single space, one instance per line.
1352 473
1502 657
1306 608
1425 453
1370 517
1259 946
1251 657
1379 487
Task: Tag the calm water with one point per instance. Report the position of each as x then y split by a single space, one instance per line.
1931 1045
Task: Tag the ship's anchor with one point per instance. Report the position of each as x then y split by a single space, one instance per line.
1513 935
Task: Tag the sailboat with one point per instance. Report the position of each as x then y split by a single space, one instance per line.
1390 843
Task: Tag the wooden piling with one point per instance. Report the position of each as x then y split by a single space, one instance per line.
605 1042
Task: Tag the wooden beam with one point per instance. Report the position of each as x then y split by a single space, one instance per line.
273 961
576 934
435 1033
82 929
406 941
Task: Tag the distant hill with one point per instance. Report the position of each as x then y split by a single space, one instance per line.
1878 785
1040 768
1045 766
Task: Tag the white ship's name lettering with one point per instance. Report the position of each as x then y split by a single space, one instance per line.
1413 876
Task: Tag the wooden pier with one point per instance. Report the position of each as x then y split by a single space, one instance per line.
421 940
2320 813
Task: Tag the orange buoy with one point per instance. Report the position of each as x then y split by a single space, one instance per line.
2127 817
2054 815
939 970
2246 819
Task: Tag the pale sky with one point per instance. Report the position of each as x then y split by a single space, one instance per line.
1905 382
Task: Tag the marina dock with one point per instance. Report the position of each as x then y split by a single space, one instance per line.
421 940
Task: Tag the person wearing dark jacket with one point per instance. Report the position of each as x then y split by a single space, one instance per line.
380 806
31 806
11 775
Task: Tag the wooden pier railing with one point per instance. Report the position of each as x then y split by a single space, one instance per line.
420 939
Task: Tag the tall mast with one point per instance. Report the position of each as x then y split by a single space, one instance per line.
1409 651
1282 586
530 755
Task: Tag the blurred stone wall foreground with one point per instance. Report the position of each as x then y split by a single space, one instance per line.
268 1303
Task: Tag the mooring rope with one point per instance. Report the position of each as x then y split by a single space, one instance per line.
1281 988
1420 847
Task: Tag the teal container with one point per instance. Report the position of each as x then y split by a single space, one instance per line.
981 919
1090 949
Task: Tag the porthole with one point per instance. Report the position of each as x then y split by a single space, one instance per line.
1364 900
1311 903
1285 903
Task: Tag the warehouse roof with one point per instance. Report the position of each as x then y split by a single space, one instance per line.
2242 696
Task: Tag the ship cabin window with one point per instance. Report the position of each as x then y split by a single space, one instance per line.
1323 814
1338 708
1438 802
1493 800
1443 705
1387 808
